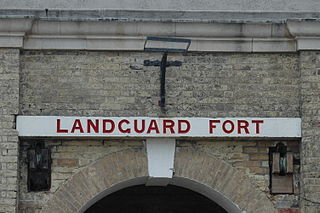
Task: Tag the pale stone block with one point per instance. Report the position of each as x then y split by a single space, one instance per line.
222 45
273 45
11 41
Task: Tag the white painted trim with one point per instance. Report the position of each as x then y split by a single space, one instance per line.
160 154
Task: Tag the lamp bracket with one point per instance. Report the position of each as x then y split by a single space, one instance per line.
157 63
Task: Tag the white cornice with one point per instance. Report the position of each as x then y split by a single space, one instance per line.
13 30
33 33
306 33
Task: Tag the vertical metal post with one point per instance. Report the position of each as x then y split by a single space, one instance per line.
163 66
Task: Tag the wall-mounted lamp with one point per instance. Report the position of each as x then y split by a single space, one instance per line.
165 45
281 170
39 167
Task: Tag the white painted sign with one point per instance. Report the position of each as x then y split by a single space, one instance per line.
59 126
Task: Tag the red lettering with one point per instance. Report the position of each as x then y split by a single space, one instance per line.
212 126
257 123
242 124
153 126
77 126
168 124
231 125
143 126
187 124
94 126
59 130
104 126
128 130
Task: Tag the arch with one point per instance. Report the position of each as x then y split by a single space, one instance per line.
194 170
220 181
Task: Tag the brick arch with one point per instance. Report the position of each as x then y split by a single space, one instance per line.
84 186
222 178
194 170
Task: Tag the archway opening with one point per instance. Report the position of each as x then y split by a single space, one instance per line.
155 199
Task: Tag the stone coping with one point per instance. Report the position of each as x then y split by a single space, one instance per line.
159 15
30 32
211 5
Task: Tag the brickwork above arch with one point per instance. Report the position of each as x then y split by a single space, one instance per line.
95 178
223 178
131 164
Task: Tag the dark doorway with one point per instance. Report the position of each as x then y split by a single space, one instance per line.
143 199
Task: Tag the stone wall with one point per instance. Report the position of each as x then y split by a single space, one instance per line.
9 107
310 84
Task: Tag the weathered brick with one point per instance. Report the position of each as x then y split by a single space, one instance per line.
259 170
9 104
121 75
250 149
221 174
67 162
259 157
247 164
289 210
310 103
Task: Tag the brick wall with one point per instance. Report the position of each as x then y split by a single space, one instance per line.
116 84
69 156
252 158
9 106
310 85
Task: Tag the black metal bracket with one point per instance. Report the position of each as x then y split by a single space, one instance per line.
157 63
163 65
169 45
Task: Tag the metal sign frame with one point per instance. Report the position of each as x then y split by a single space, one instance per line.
167 50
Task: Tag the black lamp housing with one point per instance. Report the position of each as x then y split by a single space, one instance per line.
39 167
